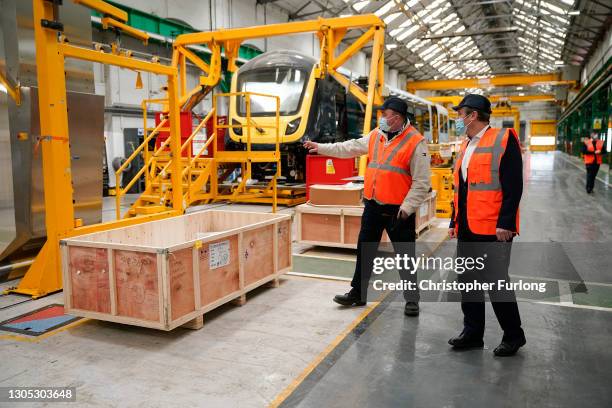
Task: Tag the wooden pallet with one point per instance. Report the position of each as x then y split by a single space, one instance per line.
168 273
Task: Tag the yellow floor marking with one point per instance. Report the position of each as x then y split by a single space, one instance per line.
313 364
295 383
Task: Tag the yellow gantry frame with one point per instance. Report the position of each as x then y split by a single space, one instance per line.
510 113
44 276
330 32
494 81
455 100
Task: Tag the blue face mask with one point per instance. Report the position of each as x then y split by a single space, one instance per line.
383 125
460 126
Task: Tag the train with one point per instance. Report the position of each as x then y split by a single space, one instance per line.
317 109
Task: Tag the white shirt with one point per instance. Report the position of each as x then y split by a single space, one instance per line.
472 144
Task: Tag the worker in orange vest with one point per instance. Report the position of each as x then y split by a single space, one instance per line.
396 183
593 150
488 184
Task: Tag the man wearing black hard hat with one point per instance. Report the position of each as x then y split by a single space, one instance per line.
396 183
488 184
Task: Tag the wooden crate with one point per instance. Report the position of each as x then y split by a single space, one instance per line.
168 273
339 227
426 213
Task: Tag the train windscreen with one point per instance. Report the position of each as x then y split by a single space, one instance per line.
285 82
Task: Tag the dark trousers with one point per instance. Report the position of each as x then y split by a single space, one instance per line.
496 267
591 170
376 219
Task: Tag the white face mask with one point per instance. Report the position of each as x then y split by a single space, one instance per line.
383 125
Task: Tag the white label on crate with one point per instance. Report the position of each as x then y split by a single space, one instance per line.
219 254
424 210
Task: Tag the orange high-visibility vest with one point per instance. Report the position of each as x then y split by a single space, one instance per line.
484 194
387 177
591 157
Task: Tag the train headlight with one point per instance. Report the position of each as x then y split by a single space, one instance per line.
238 128
293 126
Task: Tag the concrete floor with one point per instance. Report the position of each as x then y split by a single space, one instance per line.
292 346
395 361
243 357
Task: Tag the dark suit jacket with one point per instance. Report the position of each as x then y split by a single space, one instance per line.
511 178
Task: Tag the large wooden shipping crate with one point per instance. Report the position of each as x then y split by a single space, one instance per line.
329 225
337 226
166 273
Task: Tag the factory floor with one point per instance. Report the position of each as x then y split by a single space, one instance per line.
292 346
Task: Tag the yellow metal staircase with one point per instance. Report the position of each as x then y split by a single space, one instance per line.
200 175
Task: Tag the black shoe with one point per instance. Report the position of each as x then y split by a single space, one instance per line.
411 309
509 347
349 299
465 341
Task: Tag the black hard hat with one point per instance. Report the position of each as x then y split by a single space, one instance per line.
396 104
474 101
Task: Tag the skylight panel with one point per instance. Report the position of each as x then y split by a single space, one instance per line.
360 5
396 31
412 43
552 7
384 9
392 17
450 17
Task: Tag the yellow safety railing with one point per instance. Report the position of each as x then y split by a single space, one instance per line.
143 146
150 160
145 111
248 154
155 172
188 141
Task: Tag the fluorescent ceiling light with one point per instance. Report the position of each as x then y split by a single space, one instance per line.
559 63
574 12
391 46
